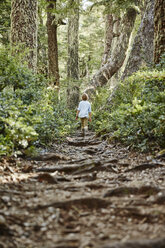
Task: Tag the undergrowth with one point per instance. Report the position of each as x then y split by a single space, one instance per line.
30 112
32 116
135 115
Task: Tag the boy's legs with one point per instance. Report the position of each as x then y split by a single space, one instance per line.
84 125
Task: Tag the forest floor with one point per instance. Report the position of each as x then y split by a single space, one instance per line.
84 193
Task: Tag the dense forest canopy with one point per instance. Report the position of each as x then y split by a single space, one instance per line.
53 51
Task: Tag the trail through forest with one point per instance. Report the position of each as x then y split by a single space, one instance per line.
84 193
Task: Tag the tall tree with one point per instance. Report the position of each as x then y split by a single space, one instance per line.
159 33
143 45
73 65
24 28
53 67
110 20
118 54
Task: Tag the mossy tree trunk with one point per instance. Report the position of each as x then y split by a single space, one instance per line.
118 54
159 33
73 64
24 28
53 68
143 45
110 34
108 37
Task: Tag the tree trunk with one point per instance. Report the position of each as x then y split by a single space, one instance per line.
53 68
108 37
24 28
159 34
119 53
73 65
142 49
42 66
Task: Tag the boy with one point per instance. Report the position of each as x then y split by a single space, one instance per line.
84 112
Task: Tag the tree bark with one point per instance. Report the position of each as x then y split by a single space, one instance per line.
42 66
108 37
119 53
73 64
159 34
143 45
24 28
53 69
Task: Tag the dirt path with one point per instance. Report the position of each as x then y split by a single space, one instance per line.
84 193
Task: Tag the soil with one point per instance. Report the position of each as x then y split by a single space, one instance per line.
84 193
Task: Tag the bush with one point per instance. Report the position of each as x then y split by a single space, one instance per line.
16 131
30 113
136 115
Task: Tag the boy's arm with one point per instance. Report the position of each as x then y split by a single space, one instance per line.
78 111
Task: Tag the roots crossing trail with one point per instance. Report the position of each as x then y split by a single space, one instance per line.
84 193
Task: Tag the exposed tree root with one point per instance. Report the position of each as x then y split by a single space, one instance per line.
88 202
147 190
158 243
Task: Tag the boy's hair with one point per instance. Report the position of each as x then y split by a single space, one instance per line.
84 97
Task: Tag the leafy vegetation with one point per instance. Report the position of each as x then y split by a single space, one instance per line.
135 116
30 114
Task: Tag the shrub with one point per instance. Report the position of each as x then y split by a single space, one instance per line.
30 113
16 132
136 115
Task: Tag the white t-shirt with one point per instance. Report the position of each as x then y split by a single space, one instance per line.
85 108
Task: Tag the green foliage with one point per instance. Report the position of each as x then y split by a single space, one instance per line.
115 6
13 72
30 112
91 43
161 64
15 129
136 115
